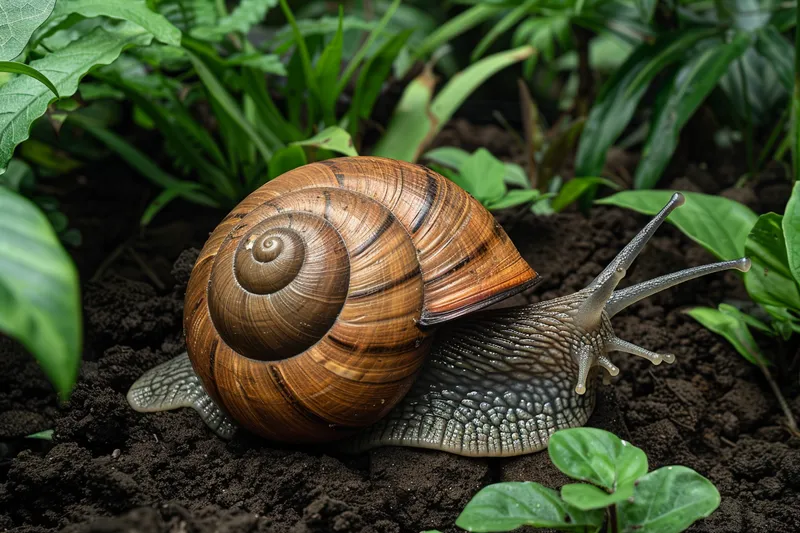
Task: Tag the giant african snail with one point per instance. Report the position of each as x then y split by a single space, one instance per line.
313 313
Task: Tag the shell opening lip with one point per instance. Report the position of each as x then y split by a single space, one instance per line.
431 319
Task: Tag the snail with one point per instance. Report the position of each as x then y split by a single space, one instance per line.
345 301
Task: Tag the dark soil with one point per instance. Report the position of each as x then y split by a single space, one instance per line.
111 469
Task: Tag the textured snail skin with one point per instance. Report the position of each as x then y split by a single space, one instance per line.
331 303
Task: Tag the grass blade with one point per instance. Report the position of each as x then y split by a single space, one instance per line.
21 68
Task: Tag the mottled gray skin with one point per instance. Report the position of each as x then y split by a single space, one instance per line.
499 383
496 383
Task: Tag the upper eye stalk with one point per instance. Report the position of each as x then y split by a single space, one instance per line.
602 297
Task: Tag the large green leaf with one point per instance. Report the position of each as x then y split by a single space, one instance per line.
614 107
791 232
14 67
679 100
135 11
716 223
668 500
779 53
731 324
18 20
23 99
507 506
244 16
482 175
39 291
597 456
770 280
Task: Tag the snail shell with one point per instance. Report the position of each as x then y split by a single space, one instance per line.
308 313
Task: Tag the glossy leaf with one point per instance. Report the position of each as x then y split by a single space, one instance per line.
716 223
20 18
619 96
791 232
243 17
21 68
483 174
574 189
668 500
587 497
516 197
333 138
732 327
23 99
770 281
39 291
679 100
597 456
134 11
507 506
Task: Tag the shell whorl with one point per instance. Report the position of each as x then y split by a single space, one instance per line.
305 312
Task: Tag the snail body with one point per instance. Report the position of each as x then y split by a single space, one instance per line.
346 299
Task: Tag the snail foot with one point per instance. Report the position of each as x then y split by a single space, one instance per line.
174 384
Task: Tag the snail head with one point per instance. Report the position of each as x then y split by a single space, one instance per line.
588 312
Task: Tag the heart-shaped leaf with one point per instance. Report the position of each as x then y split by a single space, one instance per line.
507 506
597 456
668 500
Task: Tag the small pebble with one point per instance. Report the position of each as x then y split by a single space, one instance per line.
116 453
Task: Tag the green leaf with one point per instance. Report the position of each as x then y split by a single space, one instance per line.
516 197
246 15
668 500
372 78
716 223
587 497
20 18
333 138
619 96
507 506
791 232
21 68
47 434
574 189
327 71
448 156
23 99
515 175
286 159
482 174
269 63
597 456
134 11
226 102
143 164
418 116
678 101
39 291
502 26
732 327
770 281
18 176
779 53
455 26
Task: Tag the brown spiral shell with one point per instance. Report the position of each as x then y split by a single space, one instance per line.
308 312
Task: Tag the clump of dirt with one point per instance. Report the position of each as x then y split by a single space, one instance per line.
111 469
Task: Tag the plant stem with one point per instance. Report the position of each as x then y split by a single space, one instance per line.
748 140
613 526
791 423
773 138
